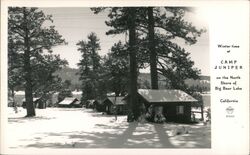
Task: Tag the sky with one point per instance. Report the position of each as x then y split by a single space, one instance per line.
74 24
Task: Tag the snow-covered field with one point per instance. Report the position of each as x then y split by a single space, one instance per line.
85 128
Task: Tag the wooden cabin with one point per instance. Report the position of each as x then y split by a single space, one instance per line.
91 104
174 104
99 106
115 105
70 102
35 101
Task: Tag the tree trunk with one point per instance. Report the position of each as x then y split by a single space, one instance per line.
202 112
153 62
13 95
133 104
27 69
153 55
14 101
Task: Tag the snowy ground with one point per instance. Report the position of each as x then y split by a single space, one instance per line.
85 128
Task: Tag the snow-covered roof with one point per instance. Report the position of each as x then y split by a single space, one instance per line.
111 94
91 102
166 95
77 102
68 101
76 92
117 100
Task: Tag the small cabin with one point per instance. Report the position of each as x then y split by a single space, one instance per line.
99 106
70 102
35 102
175 105
91 104
115 105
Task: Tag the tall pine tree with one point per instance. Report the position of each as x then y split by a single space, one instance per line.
116 68
26 27
90 67
122 20
162 26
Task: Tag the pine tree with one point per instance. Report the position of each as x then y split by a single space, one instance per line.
94 47
45 82
90 67
152 52
33 39
15 77
116 67
163 26
122 20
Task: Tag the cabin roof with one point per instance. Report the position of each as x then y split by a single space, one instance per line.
166 95
91 102
68 101
116 100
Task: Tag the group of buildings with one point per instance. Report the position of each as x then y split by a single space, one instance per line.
174 105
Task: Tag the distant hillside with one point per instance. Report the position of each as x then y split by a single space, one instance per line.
71 74
204 81
203 77
147 76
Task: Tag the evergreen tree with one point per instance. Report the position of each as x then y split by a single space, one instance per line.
122 20
90 67
116 69
163 26
175 64
33 39
84 72
45 83
94 47
15 77
152 51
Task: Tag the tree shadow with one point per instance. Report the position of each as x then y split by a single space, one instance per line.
163 136
120 140
67 109
75 140
25 119
85 139
101 115
51 145
117 134
133 135
197 137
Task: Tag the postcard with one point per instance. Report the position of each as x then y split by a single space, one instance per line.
151 77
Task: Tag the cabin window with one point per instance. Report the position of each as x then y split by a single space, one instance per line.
180 109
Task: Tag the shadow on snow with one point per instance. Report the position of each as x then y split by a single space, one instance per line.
128 138
120 135
25 119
